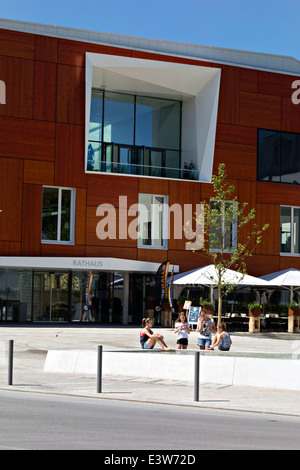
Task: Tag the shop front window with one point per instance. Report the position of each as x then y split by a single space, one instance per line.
15 295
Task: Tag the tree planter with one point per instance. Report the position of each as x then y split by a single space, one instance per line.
255 312
294 320
254 320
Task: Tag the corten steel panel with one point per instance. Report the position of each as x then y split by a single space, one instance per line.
18 77
11 175
37 172
80 216
276 193
188 260
248 80
247 194
183 200
70 95
115 223
153 186
73 52
52 249
236 134
260 265
166 58
10 248
290 115
21 138
69 156
259 110
229 99
153 256
32 220
287 262
106 189
239 159
45 91
268 214
113 252
46 48
275 84
16 44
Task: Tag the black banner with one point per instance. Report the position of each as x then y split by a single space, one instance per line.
161 285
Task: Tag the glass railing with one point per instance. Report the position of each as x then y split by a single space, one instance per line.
143 170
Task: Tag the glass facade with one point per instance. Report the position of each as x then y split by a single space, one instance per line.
136 135
278 156
74 296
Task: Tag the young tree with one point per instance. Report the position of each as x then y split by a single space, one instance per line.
229 233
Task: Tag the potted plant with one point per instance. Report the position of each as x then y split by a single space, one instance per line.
293 309
206 304
254 309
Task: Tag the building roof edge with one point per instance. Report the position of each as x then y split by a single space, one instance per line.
246 59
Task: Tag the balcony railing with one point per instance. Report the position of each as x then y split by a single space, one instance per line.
143 170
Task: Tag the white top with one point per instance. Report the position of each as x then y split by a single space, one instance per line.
182 333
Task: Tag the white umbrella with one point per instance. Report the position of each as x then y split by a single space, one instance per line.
288 279
208 276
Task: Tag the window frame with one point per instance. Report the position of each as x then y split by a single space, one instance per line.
292 221
152 220
58 241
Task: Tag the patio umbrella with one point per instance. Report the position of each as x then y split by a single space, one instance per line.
208 276
287 279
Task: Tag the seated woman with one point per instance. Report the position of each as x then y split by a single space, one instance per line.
222 339
148 339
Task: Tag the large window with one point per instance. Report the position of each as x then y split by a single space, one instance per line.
153 221
58 215
290 230
278 156
134 135
223 226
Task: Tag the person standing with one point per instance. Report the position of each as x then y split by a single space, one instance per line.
182 328
206 326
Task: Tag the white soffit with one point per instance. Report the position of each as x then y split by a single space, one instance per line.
148 77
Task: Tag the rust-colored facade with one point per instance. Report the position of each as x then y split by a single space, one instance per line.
42 143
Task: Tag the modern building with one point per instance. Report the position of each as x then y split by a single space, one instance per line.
95 125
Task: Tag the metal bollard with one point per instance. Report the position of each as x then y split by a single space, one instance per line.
99 370
10 361
196 377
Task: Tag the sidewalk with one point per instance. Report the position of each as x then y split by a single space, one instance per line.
31 344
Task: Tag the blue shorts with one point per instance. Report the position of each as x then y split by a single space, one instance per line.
204 342
146 346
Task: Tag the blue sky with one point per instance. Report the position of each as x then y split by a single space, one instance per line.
269 26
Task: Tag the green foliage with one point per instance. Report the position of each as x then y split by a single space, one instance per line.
223 220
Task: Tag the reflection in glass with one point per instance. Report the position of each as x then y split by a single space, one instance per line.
157 122
118 118
50 213
290 158
285 230
96 116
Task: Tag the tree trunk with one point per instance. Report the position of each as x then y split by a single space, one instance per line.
219 305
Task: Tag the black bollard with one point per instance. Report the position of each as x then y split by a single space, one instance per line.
99 370
10 361
196 378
